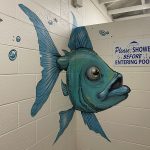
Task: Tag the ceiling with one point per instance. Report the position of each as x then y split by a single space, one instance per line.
126 9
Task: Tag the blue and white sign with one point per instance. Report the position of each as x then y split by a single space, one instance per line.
132 52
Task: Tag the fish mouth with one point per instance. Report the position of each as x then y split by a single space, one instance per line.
115 88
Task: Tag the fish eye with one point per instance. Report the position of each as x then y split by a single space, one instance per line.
93 73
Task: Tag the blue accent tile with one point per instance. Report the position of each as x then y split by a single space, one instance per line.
18 39
12 55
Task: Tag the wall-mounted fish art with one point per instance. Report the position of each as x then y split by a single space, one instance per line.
91 84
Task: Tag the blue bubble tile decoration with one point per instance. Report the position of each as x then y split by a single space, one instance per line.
103 32
53 21
12 55
50 22
18 39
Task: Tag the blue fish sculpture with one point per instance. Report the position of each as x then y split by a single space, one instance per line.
91 84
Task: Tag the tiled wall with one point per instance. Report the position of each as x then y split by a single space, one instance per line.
127 124
18 79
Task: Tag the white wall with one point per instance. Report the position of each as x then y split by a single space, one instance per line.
18 79
92 15
127 124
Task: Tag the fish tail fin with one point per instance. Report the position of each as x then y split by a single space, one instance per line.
48 60
65 118
50 74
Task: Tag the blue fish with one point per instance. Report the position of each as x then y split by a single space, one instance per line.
91 84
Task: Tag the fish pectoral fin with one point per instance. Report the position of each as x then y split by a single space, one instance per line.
65 118
91 121
64 88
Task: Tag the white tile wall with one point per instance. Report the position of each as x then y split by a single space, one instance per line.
89 10
59 102
8 7
134 134
16 87
65 9
61 28
84 142
29 67
130 116
25 111
11 28
44 144
27 34
19 139
49 126
7 66
137 80
137 100
52 5
7 31
9 118
18 79
118 131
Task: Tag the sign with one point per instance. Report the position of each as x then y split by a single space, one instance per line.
132 52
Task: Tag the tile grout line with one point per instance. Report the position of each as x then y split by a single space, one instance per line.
18 115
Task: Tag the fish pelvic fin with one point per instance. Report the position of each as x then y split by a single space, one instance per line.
65 118
93 124
64 88
48 60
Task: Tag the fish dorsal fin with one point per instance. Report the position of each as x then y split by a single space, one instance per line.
79 39
91 121
64 88
65 118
